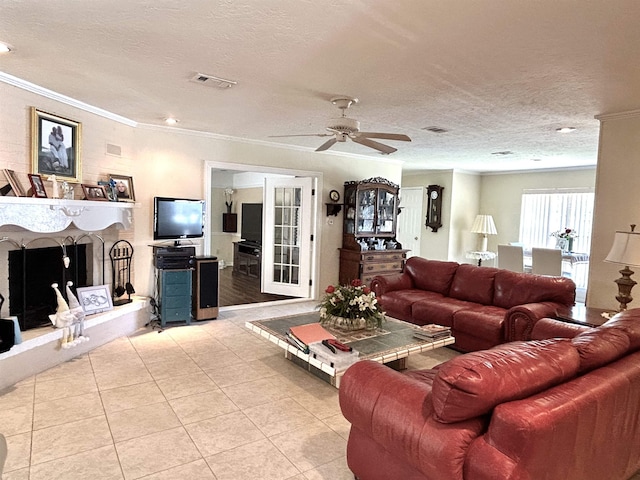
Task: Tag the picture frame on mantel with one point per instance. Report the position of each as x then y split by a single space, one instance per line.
55 146
37 186
14 184
95 192
123 187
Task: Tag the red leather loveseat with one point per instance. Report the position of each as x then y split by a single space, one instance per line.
553 409
474 301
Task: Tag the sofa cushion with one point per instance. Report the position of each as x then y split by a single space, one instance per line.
431 275
484 322
397 304
440 310
629 321
512 288
473 384
473 284
600 346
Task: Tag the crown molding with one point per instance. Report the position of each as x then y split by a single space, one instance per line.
58 97
615 116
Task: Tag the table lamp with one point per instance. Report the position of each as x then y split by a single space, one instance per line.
625 251
484 225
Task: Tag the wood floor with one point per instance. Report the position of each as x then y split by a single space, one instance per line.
238 289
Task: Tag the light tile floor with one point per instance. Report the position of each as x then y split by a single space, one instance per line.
206 401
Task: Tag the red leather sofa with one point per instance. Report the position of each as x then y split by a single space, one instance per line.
552 409
474 301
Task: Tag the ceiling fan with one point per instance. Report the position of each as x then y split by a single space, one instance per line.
344 127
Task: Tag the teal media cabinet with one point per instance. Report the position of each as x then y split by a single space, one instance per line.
175 296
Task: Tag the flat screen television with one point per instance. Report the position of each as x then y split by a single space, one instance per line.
251 223
177 218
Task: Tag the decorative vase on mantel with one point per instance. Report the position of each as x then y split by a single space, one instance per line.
229 205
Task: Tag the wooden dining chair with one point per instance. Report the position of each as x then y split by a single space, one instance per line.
511 257
546 261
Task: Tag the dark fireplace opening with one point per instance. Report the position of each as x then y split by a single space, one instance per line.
31 273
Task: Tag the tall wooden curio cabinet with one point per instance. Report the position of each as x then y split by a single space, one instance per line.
369 245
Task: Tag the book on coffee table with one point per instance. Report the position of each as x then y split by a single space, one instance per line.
432 331
303 335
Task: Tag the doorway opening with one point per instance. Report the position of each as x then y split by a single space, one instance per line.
234 191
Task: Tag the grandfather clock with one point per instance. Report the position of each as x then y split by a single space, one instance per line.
434 207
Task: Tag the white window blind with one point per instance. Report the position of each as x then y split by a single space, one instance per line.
546 211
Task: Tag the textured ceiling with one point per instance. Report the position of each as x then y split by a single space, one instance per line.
499 75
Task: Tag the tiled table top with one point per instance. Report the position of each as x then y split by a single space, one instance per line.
394 341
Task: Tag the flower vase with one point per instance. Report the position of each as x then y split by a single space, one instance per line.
570 244
348 324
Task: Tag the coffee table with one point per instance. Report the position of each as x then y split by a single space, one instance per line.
390 345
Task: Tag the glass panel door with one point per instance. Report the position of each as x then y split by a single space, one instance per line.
287 247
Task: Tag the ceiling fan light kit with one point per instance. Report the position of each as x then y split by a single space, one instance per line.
344 127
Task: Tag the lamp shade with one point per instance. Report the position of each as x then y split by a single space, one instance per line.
484 224
625 249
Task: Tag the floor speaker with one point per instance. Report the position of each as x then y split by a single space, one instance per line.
204 300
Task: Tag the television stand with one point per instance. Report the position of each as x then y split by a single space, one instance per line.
247 259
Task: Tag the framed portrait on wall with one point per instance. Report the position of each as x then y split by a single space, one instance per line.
123 187
55 146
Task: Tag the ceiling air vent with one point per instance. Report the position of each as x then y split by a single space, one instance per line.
435 129
212 81
503 153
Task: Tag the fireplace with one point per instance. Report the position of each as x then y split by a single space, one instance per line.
31 273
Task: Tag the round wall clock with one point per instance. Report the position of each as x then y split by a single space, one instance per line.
334 195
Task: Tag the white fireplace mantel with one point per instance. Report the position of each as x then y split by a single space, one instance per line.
44 215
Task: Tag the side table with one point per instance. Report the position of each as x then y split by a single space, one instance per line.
581 315
480 256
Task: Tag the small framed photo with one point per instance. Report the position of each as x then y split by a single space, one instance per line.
123 188
55 146
95 192
37 186
14 183
95 299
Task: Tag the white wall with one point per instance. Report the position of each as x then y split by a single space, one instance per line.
617 204
434 245
170 162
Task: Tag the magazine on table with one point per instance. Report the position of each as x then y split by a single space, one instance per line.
432 331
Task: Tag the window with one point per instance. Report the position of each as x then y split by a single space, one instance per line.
546 211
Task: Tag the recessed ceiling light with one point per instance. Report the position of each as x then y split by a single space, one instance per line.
171 121
5 47
565 129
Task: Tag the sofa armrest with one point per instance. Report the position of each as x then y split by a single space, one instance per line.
552 328
388 283
520 320
395 411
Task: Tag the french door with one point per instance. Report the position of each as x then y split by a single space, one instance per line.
286 249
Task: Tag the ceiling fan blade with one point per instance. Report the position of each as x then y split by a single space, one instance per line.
327 145
386 149
386 136
303 135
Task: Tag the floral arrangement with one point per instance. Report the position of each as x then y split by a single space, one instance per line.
566 233
228 193
350 306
